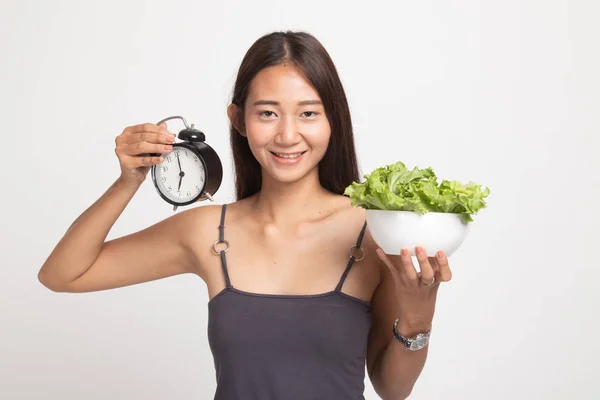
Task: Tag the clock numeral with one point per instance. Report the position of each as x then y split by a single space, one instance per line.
163 179
189 194
168 158
165 168
170 188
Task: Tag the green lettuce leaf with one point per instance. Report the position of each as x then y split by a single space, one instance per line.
394 187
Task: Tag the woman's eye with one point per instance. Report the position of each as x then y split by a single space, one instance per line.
309 114
267 113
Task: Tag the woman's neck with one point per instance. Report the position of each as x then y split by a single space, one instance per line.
290 203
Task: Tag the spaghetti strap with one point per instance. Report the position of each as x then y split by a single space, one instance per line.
223 241
352 258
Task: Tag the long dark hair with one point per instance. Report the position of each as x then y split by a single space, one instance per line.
339 166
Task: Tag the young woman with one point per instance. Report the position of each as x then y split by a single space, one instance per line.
300 295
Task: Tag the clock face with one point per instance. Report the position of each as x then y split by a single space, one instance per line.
181 175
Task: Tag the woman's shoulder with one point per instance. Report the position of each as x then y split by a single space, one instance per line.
349 209
200 221
346 214
343 220
357 216
204 220
352 219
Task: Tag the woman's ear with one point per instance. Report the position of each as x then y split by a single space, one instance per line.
236 116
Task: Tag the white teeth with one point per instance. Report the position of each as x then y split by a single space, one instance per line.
295 155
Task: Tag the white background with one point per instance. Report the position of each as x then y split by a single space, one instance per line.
501 93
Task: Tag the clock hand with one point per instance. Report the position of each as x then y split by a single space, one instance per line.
181 173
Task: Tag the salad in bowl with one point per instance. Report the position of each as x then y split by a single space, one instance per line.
408 208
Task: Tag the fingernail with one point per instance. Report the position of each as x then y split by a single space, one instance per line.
405 252
440 255
170 138
168 147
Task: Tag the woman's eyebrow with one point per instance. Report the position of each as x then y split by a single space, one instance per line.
276 103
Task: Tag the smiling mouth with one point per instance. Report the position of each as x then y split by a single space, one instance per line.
288 155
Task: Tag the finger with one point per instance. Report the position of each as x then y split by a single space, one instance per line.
150 137
399 272
146 161
143 148
427 273
445 272
124 149
435 266
407 267
146 127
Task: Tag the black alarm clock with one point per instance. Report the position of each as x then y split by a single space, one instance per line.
191 172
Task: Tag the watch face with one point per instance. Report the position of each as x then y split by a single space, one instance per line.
181 176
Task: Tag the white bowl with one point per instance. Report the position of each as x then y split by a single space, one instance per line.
395 230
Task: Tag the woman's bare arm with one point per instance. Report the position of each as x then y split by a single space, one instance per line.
82 261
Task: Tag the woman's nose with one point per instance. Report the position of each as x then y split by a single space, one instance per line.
288 132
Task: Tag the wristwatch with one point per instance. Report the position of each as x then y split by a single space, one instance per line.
414 343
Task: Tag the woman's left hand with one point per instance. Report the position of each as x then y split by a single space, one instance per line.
416 291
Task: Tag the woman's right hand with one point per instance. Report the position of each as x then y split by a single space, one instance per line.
140 147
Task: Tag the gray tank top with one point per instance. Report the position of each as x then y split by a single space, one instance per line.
279 347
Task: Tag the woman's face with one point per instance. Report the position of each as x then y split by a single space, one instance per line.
286 126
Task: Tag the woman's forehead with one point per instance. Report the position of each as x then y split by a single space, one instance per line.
283 84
